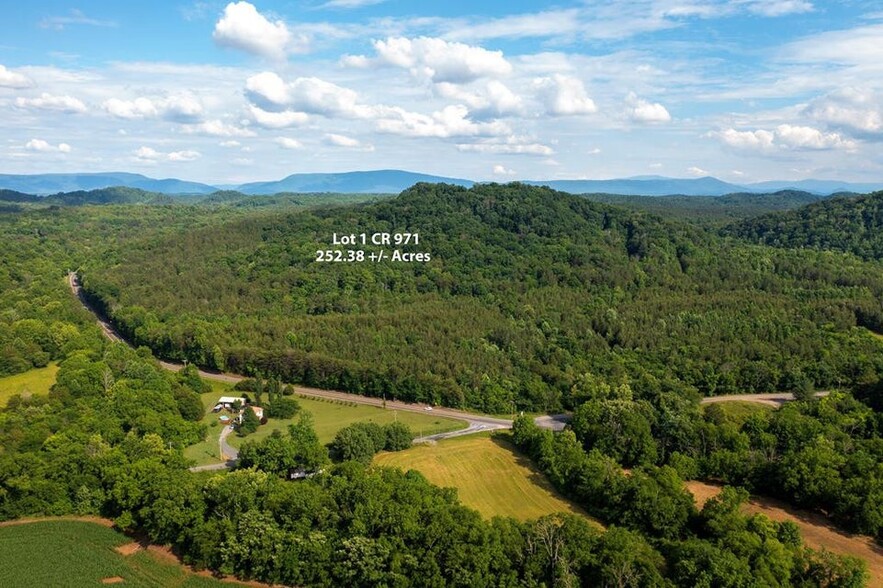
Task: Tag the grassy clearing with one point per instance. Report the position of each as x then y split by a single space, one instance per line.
489 475
75 553
739 411
36 381
328 418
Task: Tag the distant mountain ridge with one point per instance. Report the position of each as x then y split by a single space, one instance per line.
46 184
377 182
394 181
657 186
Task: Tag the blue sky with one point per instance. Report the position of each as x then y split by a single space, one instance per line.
745 90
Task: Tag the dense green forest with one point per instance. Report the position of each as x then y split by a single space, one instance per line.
527 293
850 224
711 210
532 296
108 441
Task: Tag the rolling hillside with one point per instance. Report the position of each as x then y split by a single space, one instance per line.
850 224
527 290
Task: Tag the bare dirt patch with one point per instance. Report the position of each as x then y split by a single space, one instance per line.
165 554
113 580
817 531
128 548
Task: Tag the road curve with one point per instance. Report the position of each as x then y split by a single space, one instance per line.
476 422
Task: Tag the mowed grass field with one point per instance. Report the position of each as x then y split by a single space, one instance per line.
36 381
489 475
739 411
65 553
328 418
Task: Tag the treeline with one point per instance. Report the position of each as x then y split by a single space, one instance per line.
711 210
851 224
527 290
823 454
717 546
107 441
39 320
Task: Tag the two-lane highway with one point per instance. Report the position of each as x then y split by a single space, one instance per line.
476 423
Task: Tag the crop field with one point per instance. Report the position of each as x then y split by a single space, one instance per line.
488 474
36 381
69 553
328 418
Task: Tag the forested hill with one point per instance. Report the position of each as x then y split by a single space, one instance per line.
528 296
114 195
13 196
712 209
853 224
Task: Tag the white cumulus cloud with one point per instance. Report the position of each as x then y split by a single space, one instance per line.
268 90
564 96
451 121
436 59
305 95
697 171
181 108
218 128
494 99
289 143
752 140
45 147
783 137
11 79
276 120
130 109
347 142
852 108
799 137
502 170
152 155
642 111
243 27
45 101
507 146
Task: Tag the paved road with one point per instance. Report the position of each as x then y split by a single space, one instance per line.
475 422
228 452
106 328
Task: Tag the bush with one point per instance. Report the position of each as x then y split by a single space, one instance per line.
250 422
283 408
246 385
398 436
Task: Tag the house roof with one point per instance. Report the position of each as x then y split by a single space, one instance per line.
230 400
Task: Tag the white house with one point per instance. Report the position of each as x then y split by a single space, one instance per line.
258 412
227 402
